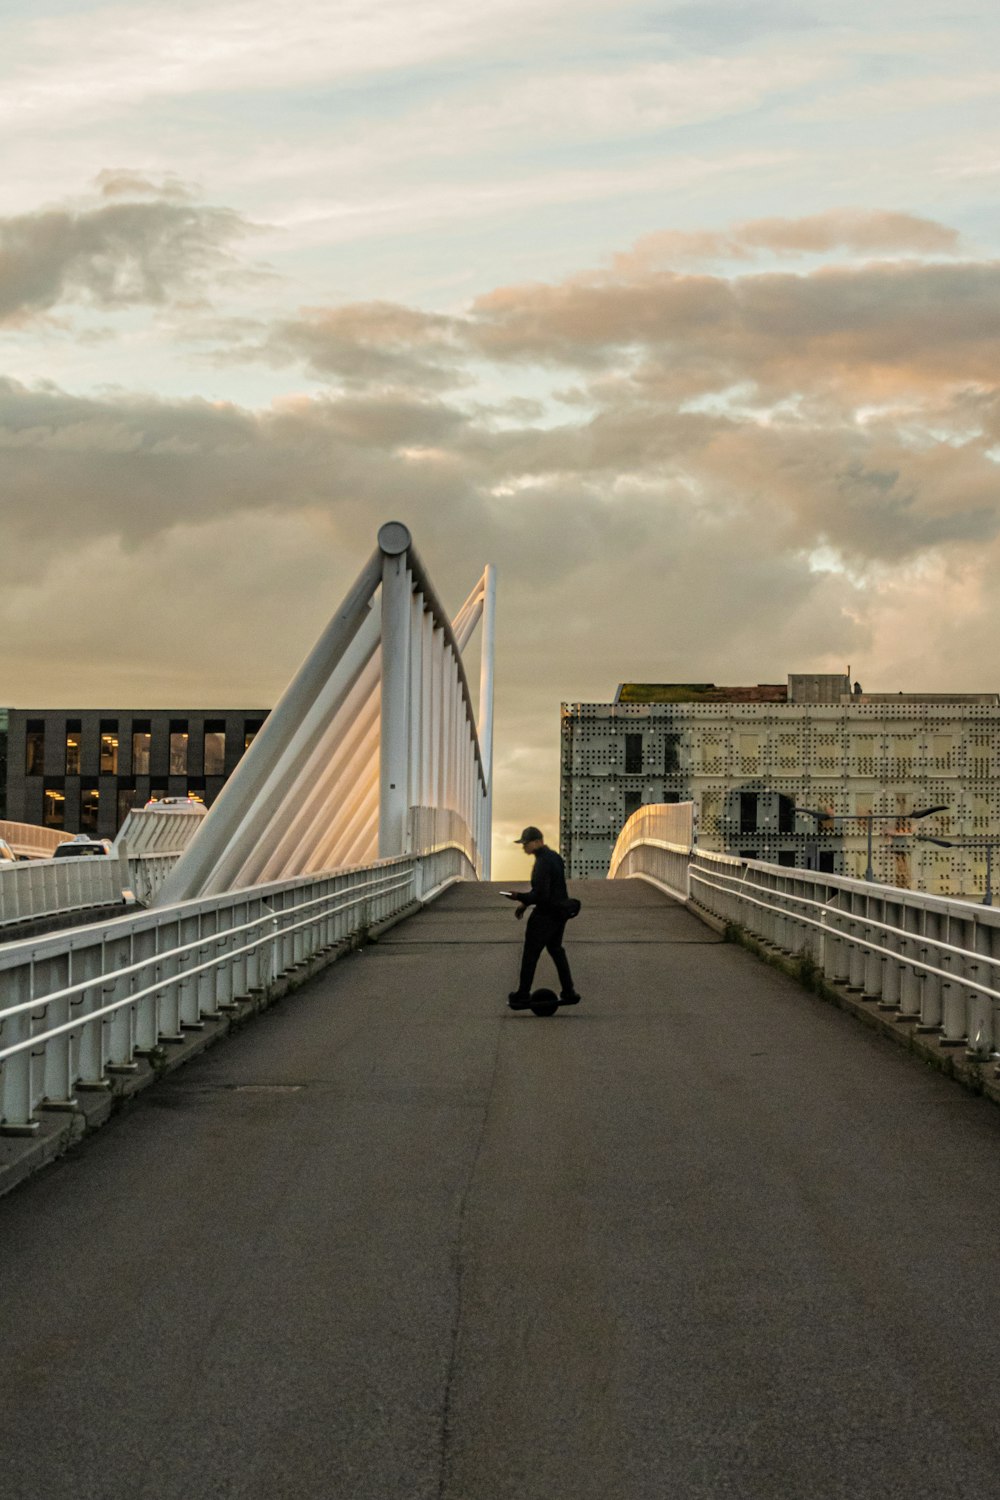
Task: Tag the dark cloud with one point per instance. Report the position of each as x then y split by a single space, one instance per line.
113 255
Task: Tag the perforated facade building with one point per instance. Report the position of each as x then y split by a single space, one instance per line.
753 758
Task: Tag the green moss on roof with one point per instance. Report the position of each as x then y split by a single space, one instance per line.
665 692
699 692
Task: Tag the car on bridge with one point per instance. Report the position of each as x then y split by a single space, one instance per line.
176 804
81 847
7 855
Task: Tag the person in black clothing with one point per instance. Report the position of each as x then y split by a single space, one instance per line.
547 922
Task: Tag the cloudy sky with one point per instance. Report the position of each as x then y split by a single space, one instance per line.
686 316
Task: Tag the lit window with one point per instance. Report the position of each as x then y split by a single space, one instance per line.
109 749
178 751
73 738
215 750
250 733
141 742
54 814
89 804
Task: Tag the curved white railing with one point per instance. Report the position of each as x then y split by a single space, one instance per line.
925 959
31 840
57 888
655 845
148 846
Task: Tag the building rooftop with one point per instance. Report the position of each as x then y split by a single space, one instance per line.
802 687
699 692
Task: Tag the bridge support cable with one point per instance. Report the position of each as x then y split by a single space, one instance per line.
373 750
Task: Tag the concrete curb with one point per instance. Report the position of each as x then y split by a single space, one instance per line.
61 1129
976 1075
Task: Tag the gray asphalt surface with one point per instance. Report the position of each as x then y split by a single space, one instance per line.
701 1236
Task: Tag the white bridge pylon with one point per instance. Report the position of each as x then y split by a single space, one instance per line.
373 750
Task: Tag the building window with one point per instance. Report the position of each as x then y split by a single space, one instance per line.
108 764
942 746
671 760
178 747
215 749
127 795
749 751
142 741
251 729
34 747
89 805
633 755
54 807
748 812
786 857
826 861
633 801
748 854
73 738
711 756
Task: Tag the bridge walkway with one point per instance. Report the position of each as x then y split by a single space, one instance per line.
701 1237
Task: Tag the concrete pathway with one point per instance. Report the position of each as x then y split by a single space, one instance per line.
701 1236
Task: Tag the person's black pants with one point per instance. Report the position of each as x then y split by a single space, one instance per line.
544 932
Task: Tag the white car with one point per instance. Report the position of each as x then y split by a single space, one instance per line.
177 804
80 847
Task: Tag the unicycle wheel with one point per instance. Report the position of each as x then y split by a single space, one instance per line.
544 1003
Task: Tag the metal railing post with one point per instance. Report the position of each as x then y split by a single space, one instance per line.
17 1080
397 587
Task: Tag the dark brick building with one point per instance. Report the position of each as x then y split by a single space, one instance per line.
81 770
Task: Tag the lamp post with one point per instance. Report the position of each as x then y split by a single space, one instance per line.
988 844
870 819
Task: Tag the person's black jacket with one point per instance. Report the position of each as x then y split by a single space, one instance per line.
548 894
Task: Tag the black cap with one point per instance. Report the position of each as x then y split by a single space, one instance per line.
529 835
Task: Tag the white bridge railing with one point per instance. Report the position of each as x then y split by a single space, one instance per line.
57 887
147 848
78 1007
656 844
927 959
31 840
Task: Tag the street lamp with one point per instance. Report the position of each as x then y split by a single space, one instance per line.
988 844
870 819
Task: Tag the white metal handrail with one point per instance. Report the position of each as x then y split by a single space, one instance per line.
913 963
32 840
85 1003
153 989
931 960
868 920
127 970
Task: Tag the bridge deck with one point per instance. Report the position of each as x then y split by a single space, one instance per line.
702 1236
